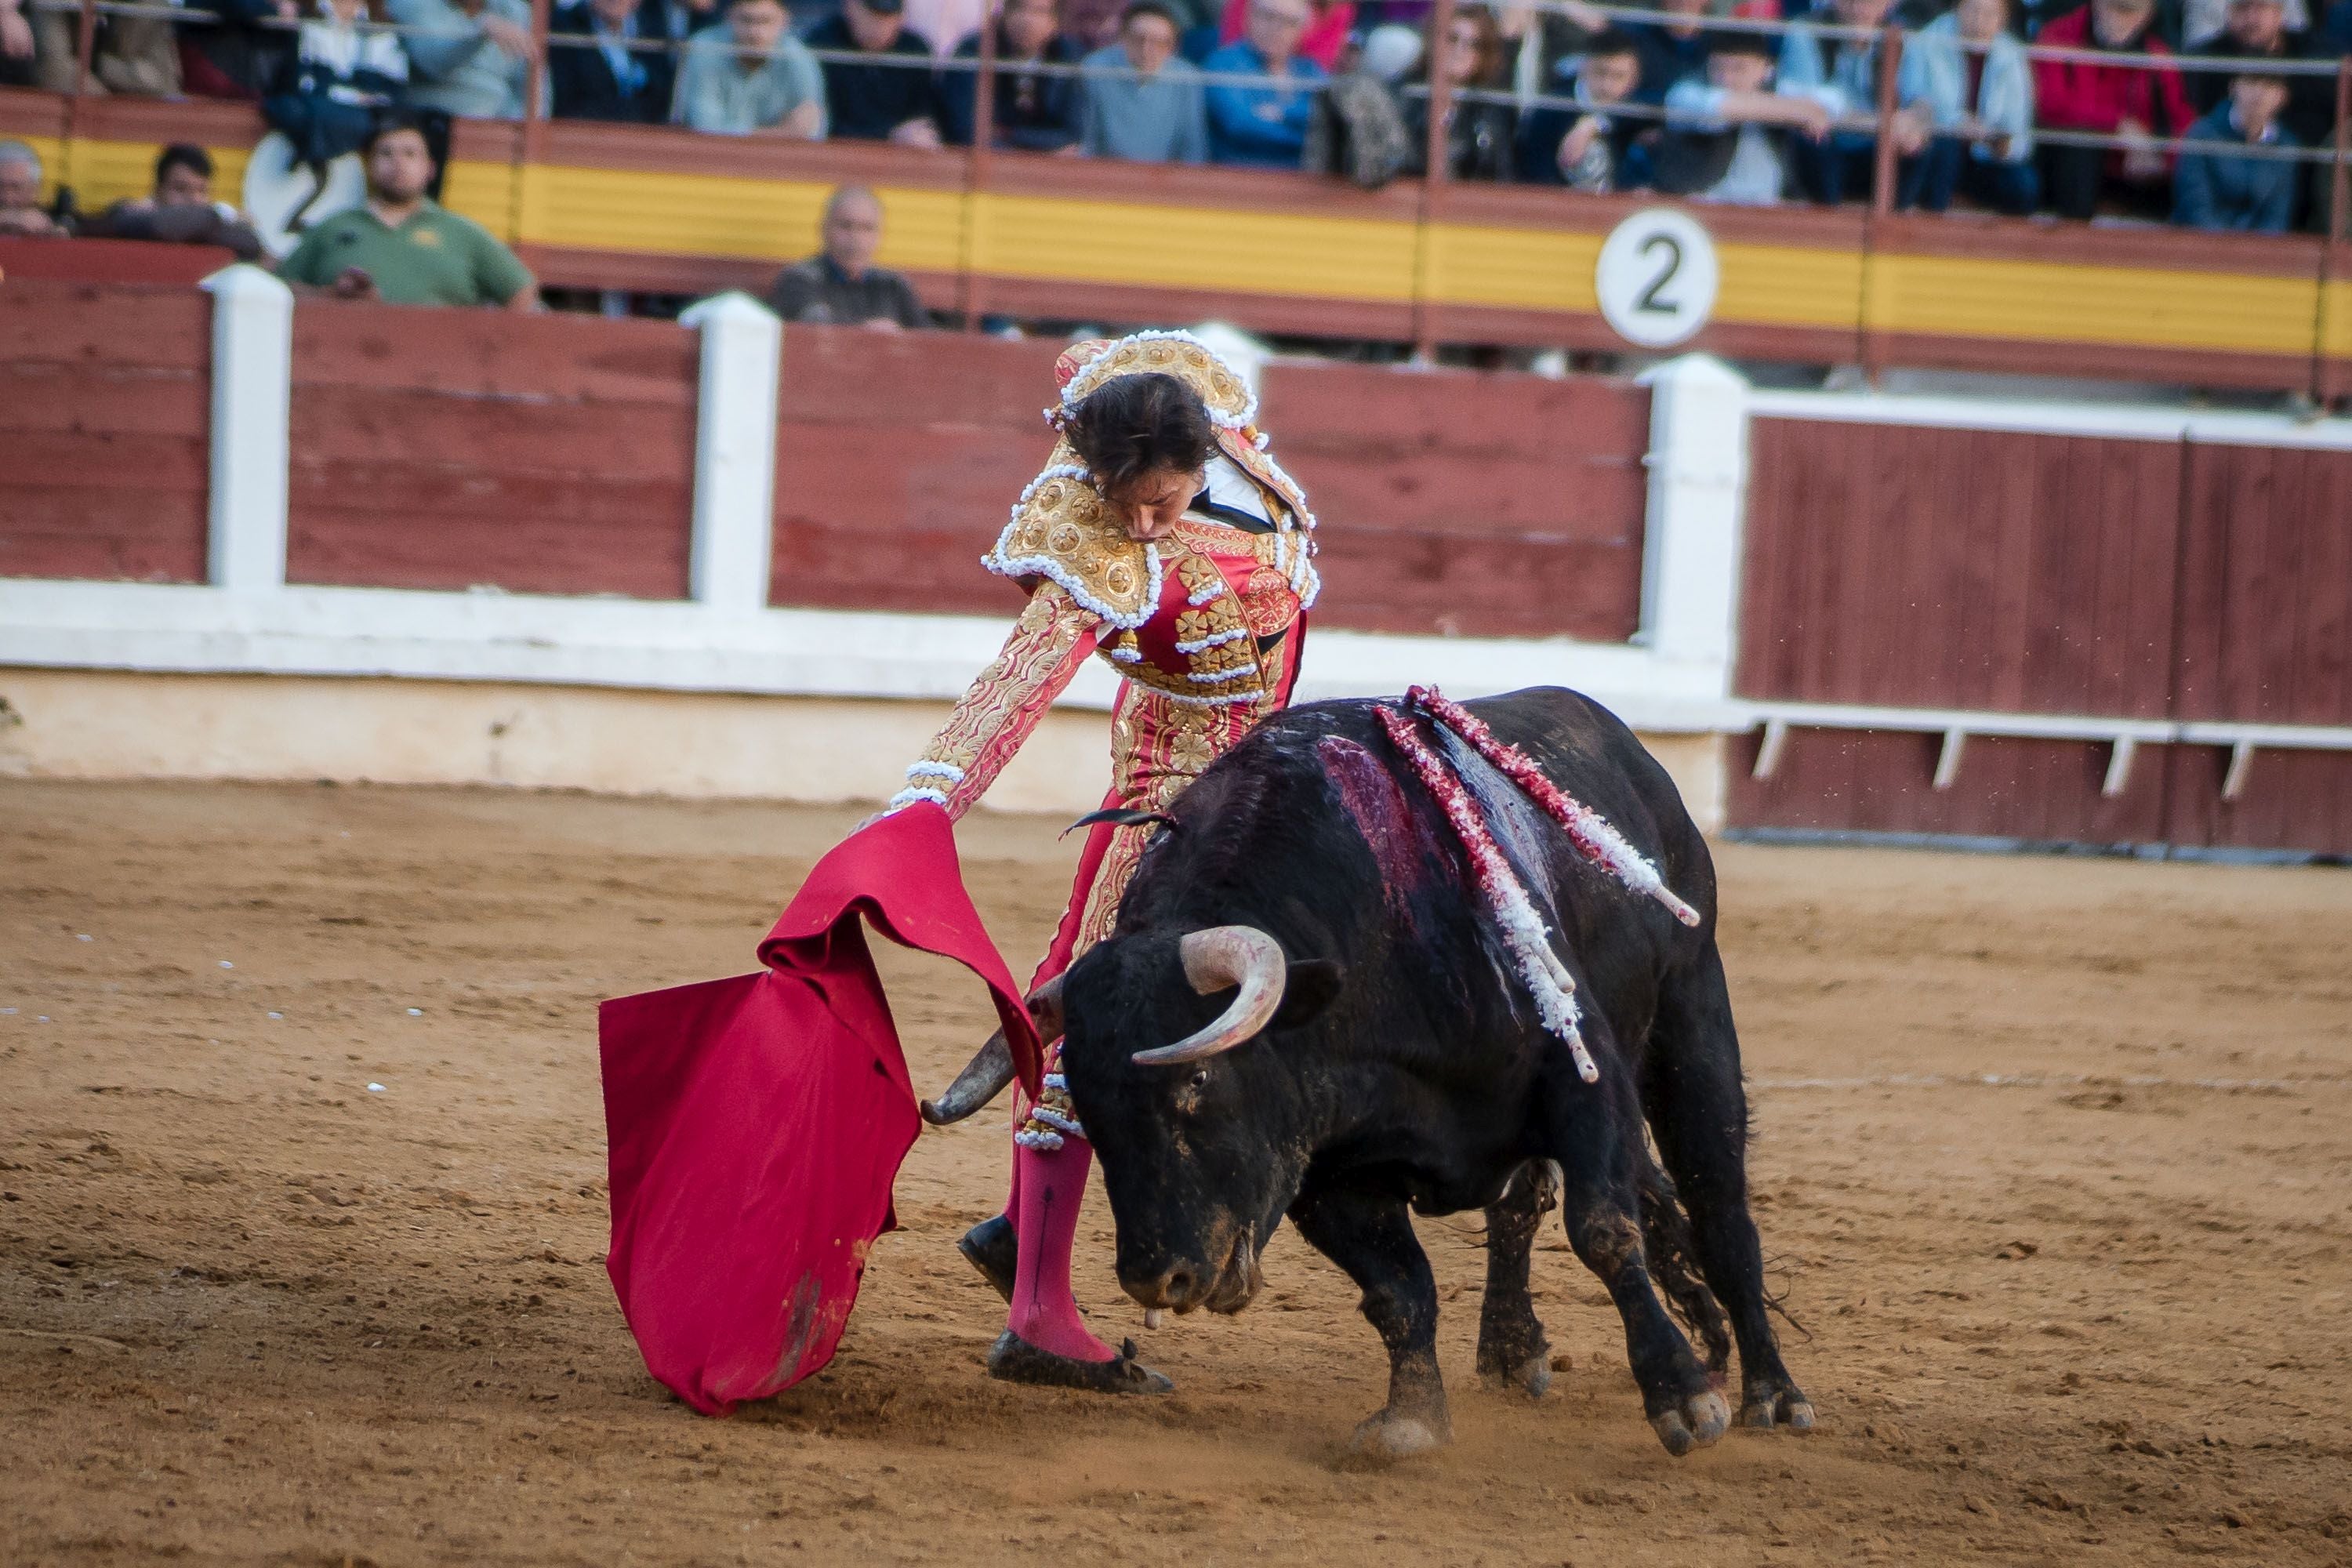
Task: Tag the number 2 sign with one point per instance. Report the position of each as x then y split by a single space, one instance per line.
1656 277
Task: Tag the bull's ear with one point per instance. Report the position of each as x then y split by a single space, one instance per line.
1311 985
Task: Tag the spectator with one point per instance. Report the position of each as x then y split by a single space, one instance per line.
1328 23
402 247
841 284
243 52
471 58
2201 22
613 76
1977 88
1673 47
180 209
20 193
1263 127
1543 45
945 24
1093 24
2142 105
751 75
1034 111
1843 73
889 95
1478 135
1141 102
1726 137
139 55
2214 189
345 67
2257 30
18 67
1586 148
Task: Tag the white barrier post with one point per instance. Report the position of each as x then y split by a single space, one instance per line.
253 372
1698 477
734 452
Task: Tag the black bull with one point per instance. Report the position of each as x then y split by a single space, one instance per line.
1406 1067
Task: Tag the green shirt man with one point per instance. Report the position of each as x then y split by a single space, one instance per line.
402 247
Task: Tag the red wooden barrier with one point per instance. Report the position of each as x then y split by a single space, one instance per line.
1476 505
452 448
104 408
1902 567
1468 504
897 459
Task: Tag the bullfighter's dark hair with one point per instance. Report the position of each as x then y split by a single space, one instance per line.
1136 424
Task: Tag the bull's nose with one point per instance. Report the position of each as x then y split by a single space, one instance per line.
1175 1286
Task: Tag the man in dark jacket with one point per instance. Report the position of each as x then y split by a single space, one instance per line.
2219 190
1587 147
624 69
1034 111
887 94
840 284
2257 30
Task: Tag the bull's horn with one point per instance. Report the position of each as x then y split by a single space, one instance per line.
991 1068
1214 958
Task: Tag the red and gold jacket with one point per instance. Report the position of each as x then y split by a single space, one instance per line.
1204 625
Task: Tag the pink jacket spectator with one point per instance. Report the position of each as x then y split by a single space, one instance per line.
1325 37
2073 96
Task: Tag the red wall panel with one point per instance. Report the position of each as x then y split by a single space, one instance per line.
104 413
1901 566
897 459
452 448
1469 504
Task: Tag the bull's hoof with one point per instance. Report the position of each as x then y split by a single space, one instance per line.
1530 1378
1014 1360
1385 1437
1701 1420
1768 1407
992 1248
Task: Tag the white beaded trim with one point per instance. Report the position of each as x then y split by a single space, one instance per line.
1055 1080
1189 701
1048 567
1056 1121
1212 590
908 796
1215 639
1220 677
1086 380
930 770
1126 655
1038 1139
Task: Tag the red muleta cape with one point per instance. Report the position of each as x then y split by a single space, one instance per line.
756 1123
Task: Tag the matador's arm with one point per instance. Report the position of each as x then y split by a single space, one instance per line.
1001 709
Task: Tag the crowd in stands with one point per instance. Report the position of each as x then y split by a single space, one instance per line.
1689 99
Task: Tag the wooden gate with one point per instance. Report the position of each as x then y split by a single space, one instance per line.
2092 639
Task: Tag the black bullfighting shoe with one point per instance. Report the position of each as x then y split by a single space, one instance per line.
1015 1360
992 1248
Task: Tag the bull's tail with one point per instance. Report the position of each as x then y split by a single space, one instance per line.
1666 1239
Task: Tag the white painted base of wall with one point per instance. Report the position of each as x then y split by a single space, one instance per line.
118 724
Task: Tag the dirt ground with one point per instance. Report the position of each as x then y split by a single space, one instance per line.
2052 1157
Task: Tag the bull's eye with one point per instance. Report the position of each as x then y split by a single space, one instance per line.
1200 1077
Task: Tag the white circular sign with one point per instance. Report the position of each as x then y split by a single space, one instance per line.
1656 277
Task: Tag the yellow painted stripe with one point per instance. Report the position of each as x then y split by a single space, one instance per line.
1145 246
1194 247
2041 301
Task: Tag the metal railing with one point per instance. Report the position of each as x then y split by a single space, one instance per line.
1442 95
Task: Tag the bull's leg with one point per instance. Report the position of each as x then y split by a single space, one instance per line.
1371 1239
1512 1350
1699 1111
1592 1139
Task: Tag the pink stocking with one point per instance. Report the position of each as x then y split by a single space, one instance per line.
1048 1185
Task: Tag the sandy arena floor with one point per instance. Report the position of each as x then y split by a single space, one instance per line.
2089 1311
